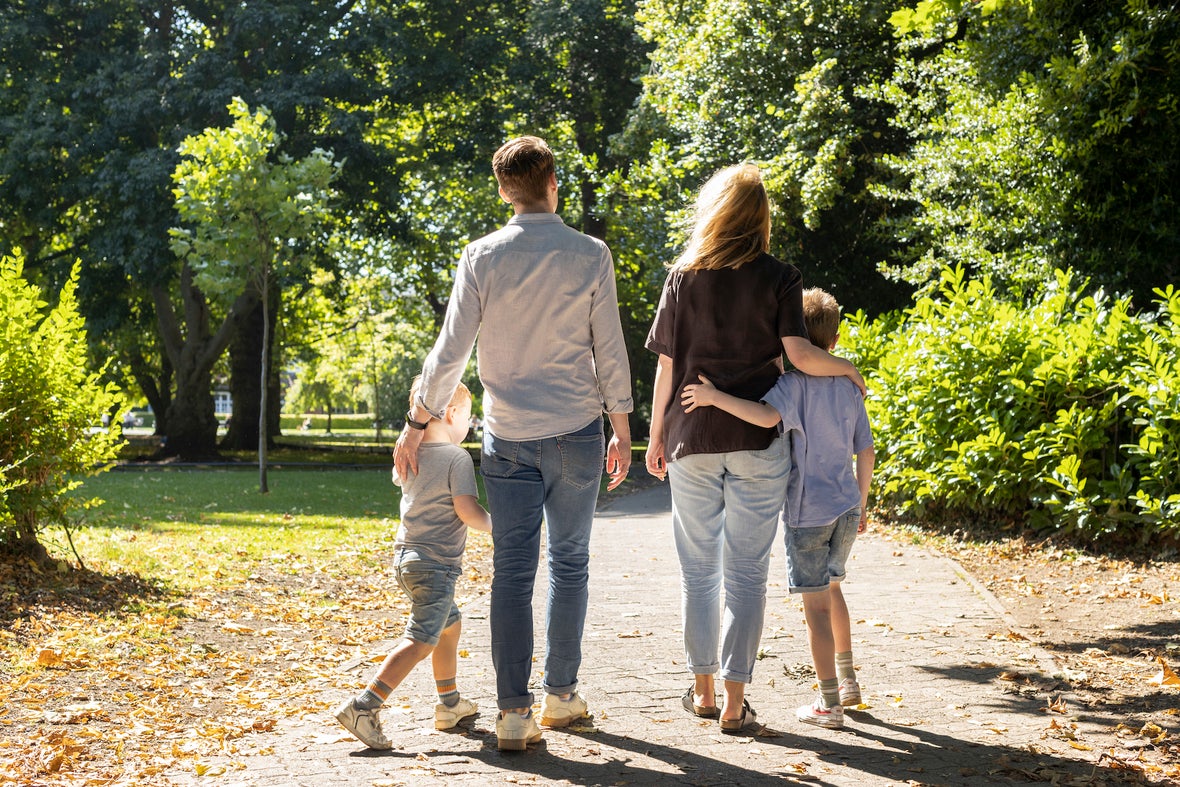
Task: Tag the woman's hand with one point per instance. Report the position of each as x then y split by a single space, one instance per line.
654 458
698 394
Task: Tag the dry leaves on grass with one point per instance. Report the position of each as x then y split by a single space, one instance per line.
147 690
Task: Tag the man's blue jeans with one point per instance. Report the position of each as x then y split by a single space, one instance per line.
556 479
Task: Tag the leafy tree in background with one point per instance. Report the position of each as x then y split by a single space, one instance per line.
1044 136
786 85
51 408
250 224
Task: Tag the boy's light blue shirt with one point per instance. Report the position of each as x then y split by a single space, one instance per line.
826 420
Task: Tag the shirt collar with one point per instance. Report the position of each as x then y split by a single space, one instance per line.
535 218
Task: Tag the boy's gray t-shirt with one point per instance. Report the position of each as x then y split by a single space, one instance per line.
827 423
430 525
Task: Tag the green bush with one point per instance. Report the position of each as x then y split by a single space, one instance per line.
341 422
51 409
1060 412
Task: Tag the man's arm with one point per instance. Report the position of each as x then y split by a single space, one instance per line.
808 358
618 451
705 394
865 460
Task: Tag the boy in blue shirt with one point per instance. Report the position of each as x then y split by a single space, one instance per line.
826 500
438 505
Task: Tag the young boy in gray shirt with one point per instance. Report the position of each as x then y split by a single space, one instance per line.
826 500
438 505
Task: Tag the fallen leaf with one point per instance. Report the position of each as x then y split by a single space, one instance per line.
48 658
1166 676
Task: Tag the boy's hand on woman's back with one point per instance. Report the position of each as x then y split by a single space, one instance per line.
698 394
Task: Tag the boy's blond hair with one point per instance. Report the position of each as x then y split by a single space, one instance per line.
821 315
522 167
460 395
730 223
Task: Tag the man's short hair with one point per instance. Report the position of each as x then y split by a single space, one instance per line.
821 315
522 167
461 393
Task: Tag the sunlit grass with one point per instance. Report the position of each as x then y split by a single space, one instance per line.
191 529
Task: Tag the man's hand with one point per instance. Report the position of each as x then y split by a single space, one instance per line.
864 521
405 452
618 460
698 394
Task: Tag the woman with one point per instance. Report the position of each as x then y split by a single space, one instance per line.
728 311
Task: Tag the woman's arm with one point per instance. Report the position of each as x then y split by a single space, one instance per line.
808 358
661 395
705 394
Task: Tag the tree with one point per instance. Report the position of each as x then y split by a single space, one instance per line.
250 223
52 409
785 85
1044 137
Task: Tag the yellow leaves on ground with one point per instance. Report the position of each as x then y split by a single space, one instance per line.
1166 677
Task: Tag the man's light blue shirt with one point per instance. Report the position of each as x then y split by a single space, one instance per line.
541 297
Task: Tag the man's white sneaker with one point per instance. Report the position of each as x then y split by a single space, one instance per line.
849 693
556 712
816 713
515 732
364 724
446 717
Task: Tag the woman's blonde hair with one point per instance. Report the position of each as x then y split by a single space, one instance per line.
731 221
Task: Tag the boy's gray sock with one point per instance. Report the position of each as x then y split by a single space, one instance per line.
830 691
448 692
373 697
844 668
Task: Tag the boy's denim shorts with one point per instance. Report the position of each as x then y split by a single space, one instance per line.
430 586
816 555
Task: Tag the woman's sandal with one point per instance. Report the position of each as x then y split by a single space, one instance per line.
748 720
704 711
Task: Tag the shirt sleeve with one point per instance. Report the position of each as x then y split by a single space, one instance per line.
790 305
448 358
462 475
663 326
784 398
611 364
862 436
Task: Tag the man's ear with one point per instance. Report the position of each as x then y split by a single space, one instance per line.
504 195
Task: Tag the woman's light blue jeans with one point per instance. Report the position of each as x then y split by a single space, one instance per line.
725 510
555 479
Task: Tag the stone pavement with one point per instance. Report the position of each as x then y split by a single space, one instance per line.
955 696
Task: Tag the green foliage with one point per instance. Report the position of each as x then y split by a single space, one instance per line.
248 217
1043 136
51 408
1061 412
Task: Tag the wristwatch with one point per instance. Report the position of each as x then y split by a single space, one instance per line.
410 422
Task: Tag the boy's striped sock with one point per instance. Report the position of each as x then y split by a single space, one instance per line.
844 668
373 696
448 692
830 691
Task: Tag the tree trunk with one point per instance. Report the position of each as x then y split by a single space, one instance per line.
193 352
192 422
245 382
263 383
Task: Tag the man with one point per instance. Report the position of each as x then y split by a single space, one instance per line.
541 296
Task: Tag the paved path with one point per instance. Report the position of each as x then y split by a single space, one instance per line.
942 670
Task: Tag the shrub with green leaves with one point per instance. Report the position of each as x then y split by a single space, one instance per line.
1060 411
51 409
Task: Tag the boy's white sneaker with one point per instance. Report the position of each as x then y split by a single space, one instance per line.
446 717
820 715
515 732
364 724
849 693
556 712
